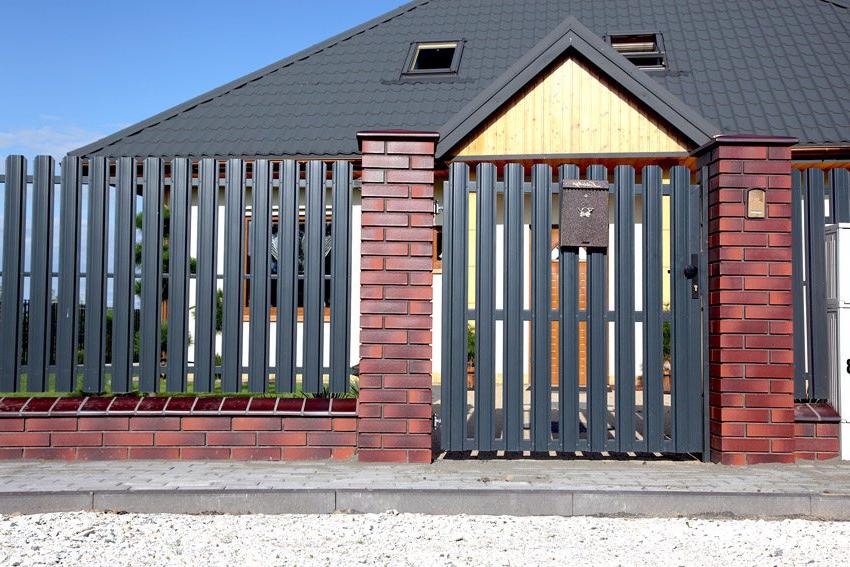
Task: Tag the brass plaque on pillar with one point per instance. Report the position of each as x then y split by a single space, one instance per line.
584 214
756 204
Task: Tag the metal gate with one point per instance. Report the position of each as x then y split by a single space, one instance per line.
566 349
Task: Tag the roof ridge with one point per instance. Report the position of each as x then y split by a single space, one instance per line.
249 78
840 3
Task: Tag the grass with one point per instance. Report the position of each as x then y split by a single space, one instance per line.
163 392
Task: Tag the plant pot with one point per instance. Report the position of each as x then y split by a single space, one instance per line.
470 376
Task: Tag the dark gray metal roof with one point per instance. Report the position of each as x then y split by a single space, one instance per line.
768 67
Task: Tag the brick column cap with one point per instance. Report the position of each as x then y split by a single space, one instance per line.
744 140
397 135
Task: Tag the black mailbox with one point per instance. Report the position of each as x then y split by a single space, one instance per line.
584 214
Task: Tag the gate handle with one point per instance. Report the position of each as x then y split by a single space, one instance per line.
691 271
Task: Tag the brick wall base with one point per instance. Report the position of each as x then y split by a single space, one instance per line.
203 428
816 432
816 441
167 437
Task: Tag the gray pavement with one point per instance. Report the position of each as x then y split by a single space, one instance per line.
498 486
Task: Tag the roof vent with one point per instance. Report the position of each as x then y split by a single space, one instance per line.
645 50
433 58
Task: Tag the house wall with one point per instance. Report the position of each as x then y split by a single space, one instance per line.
572 109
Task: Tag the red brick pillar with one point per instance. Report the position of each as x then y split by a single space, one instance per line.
394 408
751 352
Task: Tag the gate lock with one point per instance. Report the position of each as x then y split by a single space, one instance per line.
584 214
691 272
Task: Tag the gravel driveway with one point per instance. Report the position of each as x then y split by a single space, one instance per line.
400 539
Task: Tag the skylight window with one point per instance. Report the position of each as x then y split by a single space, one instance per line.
433 58
645 50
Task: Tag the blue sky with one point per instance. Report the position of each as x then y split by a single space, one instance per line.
76 71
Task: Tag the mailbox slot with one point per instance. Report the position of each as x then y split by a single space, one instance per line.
584 214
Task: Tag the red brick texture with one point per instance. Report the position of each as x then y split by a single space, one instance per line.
196 438
816 441
394 408
751 356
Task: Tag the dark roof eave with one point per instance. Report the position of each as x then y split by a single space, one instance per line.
744 140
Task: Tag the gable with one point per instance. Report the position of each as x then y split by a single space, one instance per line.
571 40
573 109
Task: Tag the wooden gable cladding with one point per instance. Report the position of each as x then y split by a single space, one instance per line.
573 109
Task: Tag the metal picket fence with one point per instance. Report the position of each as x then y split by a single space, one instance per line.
819 197
175 275
544 378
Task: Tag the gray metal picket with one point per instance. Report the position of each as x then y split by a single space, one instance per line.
140 282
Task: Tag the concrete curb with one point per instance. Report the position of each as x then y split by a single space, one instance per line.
527 502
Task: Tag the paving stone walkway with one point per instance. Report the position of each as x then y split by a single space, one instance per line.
561 487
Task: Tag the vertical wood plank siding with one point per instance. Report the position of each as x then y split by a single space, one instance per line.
143 312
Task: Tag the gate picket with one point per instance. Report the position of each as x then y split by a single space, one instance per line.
455 309
624 183
597 337
541 363
568 355
653 294
682 328
485 306
513 372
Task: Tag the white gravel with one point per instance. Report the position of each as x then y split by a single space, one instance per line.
402 539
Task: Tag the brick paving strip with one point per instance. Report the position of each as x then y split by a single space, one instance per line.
504 487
